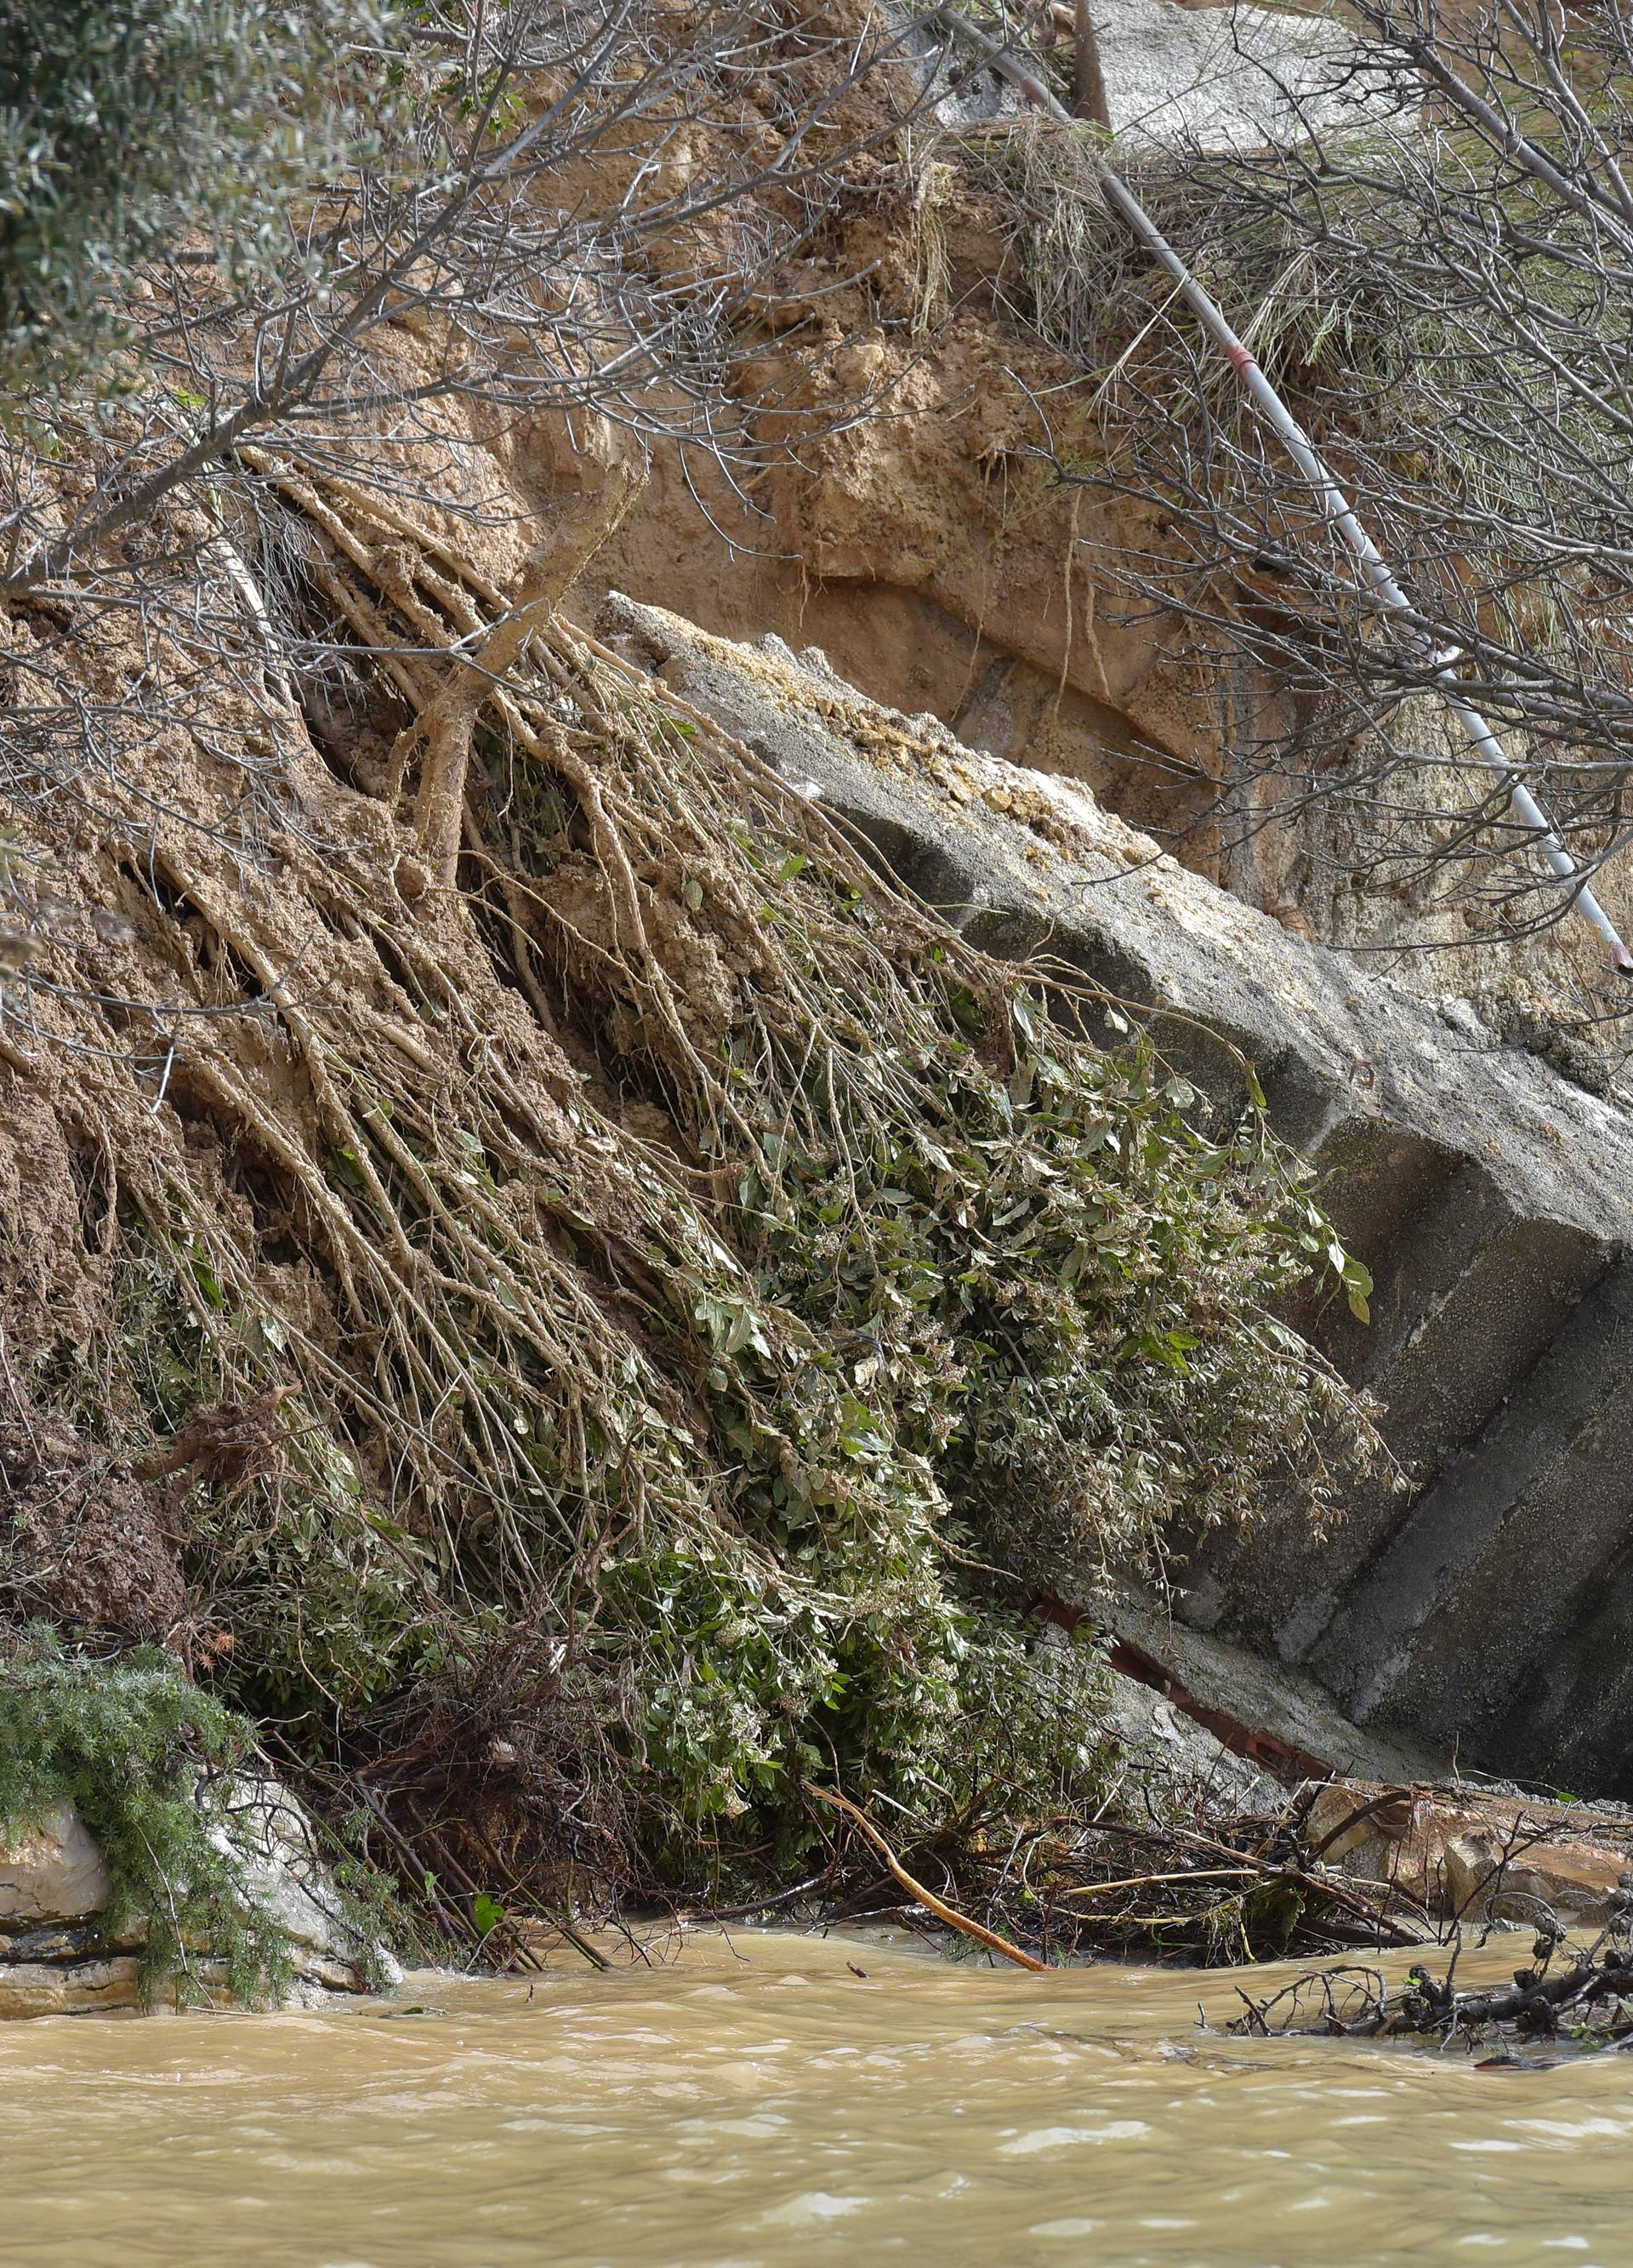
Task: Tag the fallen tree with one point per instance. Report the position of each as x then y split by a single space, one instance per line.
534 1270
585 1314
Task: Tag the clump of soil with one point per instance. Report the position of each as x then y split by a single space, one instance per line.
87 1544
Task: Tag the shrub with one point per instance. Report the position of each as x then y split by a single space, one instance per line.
128 132
145 1759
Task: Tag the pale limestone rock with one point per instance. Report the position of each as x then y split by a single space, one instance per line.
52 1872
270 1840
54 1886
73 1988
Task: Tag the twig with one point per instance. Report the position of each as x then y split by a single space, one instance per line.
938 1906
1144 1881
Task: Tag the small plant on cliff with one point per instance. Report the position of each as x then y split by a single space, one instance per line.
144 1757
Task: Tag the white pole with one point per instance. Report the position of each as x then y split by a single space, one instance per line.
1334 504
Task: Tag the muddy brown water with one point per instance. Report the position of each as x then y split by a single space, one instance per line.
755 2103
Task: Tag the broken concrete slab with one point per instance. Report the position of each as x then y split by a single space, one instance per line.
1177 1764
1489 1196
1269 1710
1209 79
1235 77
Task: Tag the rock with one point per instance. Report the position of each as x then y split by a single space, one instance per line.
111 1983
1470 1855
55 1959
271 1838
53 1872
69 1988
1478 1611
73 1940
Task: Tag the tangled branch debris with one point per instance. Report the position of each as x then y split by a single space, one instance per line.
1582 1994
1181 1880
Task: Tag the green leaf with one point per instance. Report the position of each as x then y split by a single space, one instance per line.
208 1285
1357 1283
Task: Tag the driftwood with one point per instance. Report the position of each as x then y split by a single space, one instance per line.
1580 1993
944 1913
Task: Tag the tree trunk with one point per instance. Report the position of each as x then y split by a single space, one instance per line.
578 528
1089 95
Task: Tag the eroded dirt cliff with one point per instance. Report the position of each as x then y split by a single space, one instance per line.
976 552
559 1272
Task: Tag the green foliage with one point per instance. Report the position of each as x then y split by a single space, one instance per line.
1060 1289
305 1559
329 1584
127 130
744 1440
1031 1321
875 1677
143 1756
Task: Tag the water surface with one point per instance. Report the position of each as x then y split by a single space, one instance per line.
754 2104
